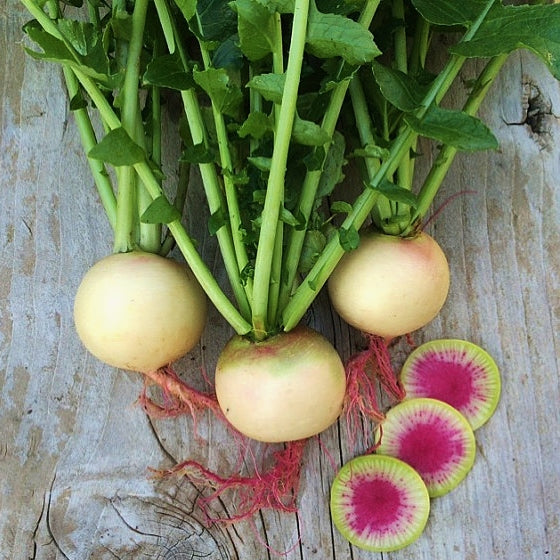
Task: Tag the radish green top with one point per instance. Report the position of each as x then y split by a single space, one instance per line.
263 84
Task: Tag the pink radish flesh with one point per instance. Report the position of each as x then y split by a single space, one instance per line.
433 438
379 503
456 372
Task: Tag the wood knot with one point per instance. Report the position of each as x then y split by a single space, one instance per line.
537 114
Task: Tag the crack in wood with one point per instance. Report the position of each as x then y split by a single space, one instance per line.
537 114
167 532
50 531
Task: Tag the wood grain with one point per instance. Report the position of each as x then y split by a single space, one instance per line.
75 449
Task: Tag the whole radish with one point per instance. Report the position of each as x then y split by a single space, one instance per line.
288 387
390 286
139 311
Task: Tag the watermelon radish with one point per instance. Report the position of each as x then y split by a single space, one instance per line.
457 372
379 503
432 437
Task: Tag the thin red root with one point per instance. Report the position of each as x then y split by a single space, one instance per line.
361 407
379 352
367 372
276 488
178 398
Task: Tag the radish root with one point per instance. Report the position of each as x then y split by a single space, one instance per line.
369 377
275 487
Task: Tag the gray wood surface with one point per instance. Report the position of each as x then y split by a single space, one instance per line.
75 449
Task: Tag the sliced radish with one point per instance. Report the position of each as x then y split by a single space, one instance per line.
457 372
379 503
432 437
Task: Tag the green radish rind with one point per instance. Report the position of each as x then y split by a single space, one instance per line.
385 476
433 438
457 372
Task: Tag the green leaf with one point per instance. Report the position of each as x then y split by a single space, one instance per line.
81 35
333 35
453 128
168 71
87 42
228 55
160 211
288 218
314 160
332 168
198 153
341 207
507 28
53 49
94 63
337 73
349 238
225 95
280 6
396 193
270 86
371 151
256 125
217 220
214 21
309 133
450 12
187 7
400 89
260 162
78 102
118 149
256 28
313 244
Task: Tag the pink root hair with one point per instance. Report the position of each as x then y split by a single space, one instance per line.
367 372
273 488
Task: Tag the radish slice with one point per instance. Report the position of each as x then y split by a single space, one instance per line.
379 503
432 437
457 372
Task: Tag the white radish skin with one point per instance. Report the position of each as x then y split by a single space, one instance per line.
288 387
390 286
139 311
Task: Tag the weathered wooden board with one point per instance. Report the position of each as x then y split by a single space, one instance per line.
74 448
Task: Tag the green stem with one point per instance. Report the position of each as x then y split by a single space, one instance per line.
447 153
196 263
94 17
404 176
275 186
333 251
276 266
363 123
232 204
88 138
179 203
184 242
216 202
399 36
312 178
420 45
213 190
148 235
127 213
